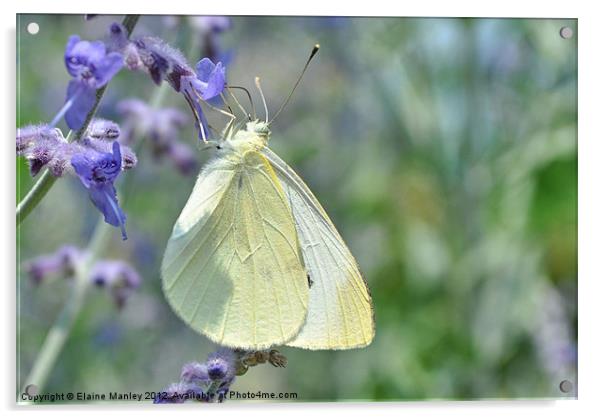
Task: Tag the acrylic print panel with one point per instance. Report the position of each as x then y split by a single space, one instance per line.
442 150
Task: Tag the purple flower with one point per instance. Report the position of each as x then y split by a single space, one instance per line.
91 68
193 372
128 157
118 41
38 144
42 267
32 134
61 263
210 24
210 28
215 377
161 127
179 393
118 38
118 277
97 172
44 146
221 364
161 61
183 157
209 82
103 129
210 79
114 273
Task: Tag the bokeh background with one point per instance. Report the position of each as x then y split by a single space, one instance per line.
444 151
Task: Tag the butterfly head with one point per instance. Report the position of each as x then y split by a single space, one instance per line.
260 128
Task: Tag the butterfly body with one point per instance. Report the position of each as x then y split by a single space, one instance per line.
236 267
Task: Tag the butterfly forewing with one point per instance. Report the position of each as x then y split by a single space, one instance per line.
340 313
233 268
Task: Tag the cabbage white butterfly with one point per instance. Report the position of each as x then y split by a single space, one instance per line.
254 261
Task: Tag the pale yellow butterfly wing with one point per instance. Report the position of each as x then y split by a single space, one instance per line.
340 313
232 269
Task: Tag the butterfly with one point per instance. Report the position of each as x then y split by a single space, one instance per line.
254 261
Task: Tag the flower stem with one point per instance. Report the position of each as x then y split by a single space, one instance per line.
64 109
46 180
57 336
35 195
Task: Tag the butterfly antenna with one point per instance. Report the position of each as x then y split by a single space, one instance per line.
228 130
226 103
265 106
248 115
314 51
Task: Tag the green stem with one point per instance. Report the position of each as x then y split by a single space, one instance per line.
46 180
58 334
35 195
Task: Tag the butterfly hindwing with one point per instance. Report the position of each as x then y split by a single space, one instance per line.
340 313
233 268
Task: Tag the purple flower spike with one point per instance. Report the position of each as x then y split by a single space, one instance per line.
91 68
98 171
44 146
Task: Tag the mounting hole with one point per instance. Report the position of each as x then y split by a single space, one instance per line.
33 28
566 32
566 386
31 390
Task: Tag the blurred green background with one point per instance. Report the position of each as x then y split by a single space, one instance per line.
444 151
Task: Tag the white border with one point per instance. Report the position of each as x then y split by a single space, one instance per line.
590 208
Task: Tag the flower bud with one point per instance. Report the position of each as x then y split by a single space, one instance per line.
194 371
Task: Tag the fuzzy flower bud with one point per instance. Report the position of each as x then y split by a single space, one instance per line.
161 127
183 158
116 276
221 364
161 61
39 144
193 372
103 129
61 263
31 134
